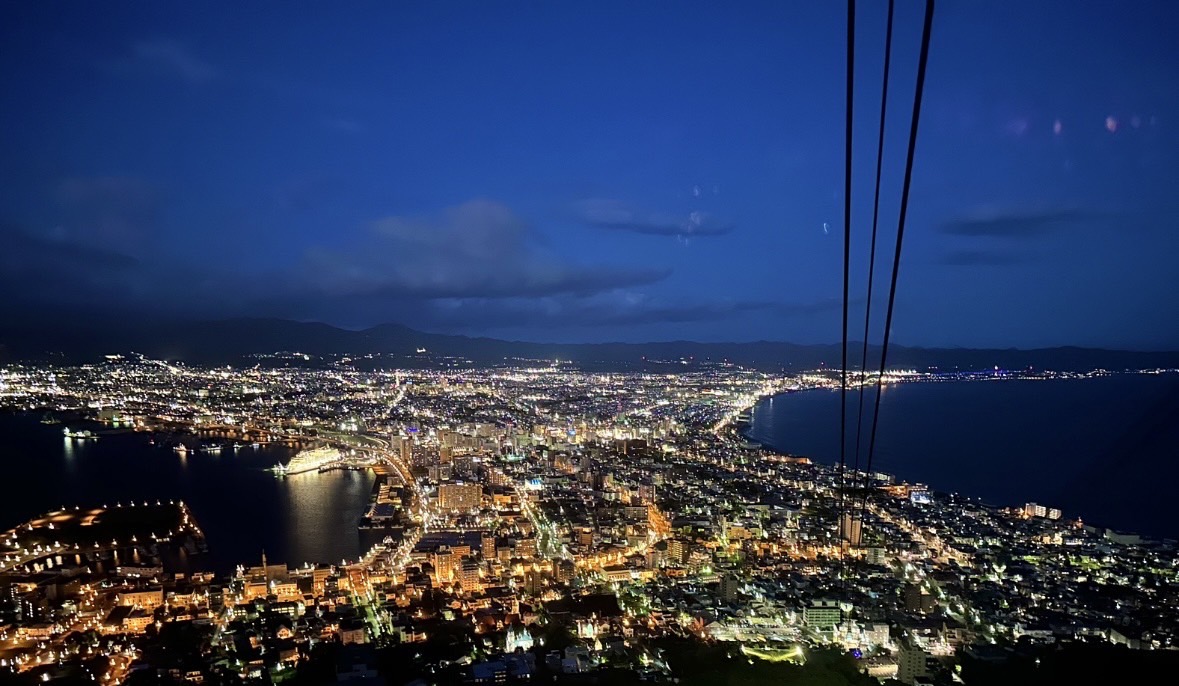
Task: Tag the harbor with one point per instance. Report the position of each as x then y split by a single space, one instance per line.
241 506
138 534
386 514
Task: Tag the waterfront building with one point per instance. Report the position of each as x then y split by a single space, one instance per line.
147 599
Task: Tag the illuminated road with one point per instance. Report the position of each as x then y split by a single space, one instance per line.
547 533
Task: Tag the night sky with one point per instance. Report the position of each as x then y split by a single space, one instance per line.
591 171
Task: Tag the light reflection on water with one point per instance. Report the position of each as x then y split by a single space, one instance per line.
67 448
242 508
322 511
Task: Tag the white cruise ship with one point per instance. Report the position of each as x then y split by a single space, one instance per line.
307 461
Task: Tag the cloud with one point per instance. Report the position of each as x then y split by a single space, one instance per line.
477 249
30 252
618 216
174 59
403 268
121 212
87 248
982 258
48 270
620 308
1016 224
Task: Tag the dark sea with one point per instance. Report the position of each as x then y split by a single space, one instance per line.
1104 449
241 508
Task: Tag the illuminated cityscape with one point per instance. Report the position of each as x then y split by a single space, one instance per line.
589 343
534 519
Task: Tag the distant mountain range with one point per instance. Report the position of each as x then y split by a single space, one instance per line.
230 341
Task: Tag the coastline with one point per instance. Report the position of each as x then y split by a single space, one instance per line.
125 467
1034 471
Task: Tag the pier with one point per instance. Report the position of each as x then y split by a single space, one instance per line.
136 531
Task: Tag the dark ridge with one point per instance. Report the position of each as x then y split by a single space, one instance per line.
86 338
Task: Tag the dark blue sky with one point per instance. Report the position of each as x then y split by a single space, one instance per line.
591 171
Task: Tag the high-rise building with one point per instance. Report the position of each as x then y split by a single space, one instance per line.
822 615
534 583
319 577
728 586
876 633
850 529
1037 510
912 662
678 550
459 497
469 577
464 463
444 563
656 555
407 450
525 548
1034 510
564 570
918 600
440 472
699 561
